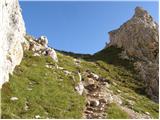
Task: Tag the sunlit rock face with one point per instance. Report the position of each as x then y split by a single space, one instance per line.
39 47
140 40
12 31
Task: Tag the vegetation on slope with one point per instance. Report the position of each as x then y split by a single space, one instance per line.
115 112
111 55
53 94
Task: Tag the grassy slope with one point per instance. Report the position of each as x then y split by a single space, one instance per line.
114 112
54 98
49 97
124 76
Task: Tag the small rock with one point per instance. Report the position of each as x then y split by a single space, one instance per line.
88 71
90 109
89 116
89 112
88 103
67 72
131 102
13 98
101 108
147 113
52 53
36 54
102 100
110 98
95 76
90 81
103 83
95 115
107 85
80 76
114 84
79 88
103 79
102 105
30 83
46 74
94 94
99 117
47 66
26 107
104 114
37 116
61 80
77 62
46 113
94 103
118 91
43 41
99 95
60 68
117 99
29 89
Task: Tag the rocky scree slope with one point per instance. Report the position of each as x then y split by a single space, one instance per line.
55 84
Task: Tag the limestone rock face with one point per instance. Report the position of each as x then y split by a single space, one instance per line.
12 31
140 40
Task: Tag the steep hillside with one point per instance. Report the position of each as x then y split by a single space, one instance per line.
46 89
120 81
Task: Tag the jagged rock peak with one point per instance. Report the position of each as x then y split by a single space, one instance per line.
140 12
139 39
137 33
40 47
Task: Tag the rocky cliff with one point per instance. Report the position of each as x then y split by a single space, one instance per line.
139 39
12 31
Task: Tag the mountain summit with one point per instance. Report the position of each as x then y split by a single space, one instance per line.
139 39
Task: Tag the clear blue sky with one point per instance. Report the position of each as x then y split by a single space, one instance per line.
80 27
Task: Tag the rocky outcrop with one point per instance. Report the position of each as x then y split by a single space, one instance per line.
40 47
12 31
43 41
140 40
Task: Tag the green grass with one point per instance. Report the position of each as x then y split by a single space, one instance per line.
49 96
121 72
115 112
53 94
145 105
111 55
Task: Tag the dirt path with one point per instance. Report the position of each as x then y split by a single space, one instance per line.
96 102
99 96
134 115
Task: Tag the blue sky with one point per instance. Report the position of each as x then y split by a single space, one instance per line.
80 27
